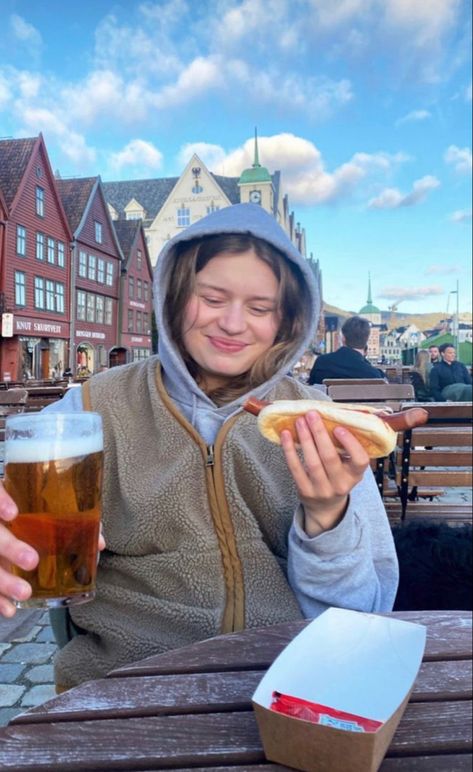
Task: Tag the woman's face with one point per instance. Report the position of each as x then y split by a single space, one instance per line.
232 316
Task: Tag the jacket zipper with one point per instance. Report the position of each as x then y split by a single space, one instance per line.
210 461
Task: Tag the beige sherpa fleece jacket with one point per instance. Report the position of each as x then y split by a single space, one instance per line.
196 538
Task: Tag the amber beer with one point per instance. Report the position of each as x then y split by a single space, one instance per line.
53 472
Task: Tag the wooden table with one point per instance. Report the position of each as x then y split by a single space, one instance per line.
191 708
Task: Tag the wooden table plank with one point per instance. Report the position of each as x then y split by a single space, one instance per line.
211 692
216 738
449 636
460 763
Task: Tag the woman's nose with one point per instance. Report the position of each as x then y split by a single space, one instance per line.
232 319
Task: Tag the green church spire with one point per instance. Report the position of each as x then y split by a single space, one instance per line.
256 173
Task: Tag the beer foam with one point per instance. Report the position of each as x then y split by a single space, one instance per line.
25 451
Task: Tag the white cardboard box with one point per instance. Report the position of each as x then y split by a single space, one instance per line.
359 663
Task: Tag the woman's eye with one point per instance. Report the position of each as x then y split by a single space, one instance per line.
260 311
212 301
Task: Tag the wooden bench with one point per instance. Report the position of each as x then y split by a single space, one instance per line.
390 394
353 381
429 460
13 397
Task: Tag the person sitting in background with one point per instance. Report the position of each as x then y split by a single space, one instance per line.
420 376
450 380
435 357
349 361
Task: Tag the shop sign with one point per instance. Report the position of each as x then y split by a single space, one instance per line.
90 334
7 376
40 328
7 326
135 304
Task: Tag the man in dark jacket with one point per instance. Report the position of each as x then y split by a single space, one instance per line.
349 361
450 380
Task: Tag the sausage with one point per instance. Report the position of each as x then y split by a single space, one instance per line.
400 422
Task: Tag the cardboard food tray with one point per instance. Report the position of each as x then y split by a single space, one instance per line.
359 663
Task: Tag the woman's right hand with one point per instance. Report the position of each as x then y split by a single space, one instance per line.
12 551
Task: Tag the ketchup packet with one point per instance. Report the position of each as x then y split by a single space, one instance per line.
321 714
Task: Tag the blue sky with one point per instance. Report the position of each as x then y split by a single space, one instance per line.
364 106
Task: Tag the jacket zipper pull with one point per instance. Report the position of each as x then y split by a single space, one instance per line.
210 456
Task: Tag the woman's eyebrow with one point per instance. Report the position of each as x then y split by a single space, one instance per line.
203 285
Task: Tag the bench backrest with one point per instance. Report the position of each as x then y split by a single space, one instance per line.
391 394
353 381
438 454
13 396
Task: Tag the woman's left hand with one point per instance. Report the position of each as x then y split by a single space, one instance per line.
324 478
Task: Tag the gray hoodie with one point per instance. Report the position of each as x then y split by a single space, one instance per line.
352 566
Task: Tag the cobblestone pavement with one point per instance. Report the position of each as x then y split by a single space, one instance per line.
27 648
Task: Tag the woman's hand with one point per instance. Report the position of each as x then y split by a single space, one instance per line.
324 478
12 551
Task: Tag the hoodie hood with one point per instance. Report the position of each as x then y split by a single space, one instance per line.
251 219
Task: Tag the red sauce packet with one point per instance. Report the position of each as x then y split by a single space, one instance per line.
321 714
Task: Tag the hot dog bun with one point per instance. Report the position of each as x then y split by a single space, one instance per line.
372 432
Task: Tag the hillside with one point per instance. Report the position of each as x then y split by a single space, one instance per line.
422 321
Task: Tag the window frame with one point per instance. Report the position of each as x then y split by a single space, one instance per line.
39 254
39 201
20 288
21 240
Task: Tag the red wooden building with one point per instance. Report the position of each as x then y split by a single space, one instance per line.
35 264
136 292
96 263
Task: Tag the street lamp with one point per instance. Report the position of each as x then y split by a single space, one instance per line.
456 325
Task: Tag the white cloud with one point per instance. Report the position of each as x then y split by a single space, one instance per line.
414 116
212 155
71 143
410 293
137 154
201 75
392 198
25 32
442 270
462 216
305 177
459 158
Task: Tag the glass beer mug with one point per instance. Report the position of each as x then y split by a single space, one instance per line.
53 472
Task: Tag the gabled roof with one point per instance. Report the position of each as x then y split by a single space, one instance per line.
151 194
127 232
75 195
15 155
3 205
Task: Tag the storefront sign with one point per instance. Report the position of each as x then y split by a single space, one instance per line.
134 339
90 334
135 304
7 326
7 376
43 328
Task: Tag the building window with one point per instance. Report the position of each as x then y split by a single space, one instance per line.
50 250
83 264
39 201
109 280
108 310
139 322
145 291
100 271
50 296
183 217
131 287
21 240
138 260
90 308
138 289
38 292
20 288
99 307
40 246
60 254
98 232
212 208
81 306
130 320
59 298
91 273
146 329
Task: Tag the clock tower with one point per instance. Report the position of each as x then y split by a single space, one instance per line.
256 184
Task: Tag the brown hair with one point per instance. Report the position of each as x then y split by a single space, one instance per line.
356 331
294 305
422 365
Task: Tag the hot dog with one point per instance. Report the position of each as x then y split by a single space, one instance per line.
375 428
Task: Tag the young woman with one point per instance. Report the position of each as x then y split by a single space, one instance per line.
210 528
420 375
